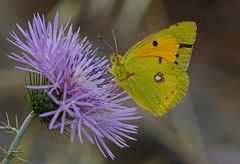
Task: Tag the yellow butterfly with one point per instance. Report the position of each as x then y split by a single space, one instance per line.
153 71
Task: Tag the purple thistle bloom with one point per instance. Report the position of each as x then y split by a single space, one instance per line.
84 100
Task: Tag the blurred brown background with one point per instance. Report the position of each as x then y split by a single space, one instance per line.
203 129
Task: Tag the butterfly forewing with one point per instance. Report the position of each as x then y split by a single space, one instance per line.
173 44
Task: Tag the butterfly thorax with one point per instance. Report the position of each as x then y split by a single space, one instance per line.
118 68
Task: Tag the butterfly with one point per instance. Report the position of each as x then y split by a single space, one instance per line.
153 72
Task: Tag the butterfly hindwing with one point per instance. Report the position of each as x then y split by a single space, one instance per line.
156 84
173 44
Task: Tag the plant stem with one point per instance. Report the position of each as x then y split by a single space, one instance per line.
11 153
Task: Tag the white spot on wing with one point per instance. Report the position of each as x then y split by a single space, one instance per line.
158 78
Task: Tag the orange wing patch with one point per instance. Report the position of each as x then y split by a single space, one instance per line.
173 44
164 46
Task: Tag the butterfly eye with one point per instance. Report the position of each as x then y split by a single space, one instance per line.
159 77
113 58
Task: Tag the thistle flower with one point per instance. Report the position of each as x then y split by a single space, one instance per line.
68 86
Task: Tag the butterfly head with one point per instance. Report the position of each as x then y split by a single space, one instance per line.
115 60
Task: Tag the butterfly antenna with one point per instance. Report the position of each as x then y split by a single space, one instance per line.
106 43
115 40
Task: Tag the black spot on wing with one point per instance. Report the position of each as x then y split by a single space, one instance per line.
160 60
155 43
185 45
